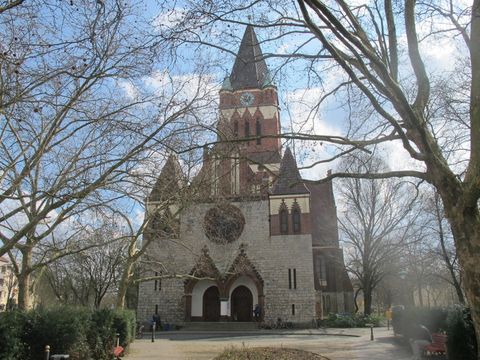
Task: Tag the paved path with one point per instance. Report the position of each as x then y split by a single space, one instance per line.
331 343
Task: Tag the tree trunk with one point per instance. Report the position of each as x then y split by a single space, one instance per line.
124 282
420 294
355 299
466 230
24 280
24 291
446 257
367 300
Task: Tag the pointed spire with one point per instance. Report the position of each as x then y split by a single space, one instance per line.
227 85
169 182
289 180
250 69
268 80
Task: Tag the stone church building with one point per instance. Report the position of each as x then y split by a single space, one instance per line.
252 231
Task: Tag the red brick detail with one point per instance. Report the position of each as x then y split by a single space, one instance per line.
275 225
270 126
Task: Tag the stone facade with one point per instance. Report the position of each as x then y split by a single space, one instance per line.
273 256
253 231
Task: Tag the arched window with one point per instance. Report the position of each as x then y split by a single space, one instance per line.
259 132
296 219
235 128
283 217
247 129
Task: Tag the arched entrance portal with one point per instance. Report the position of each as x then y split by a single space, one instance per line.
211 304
242 304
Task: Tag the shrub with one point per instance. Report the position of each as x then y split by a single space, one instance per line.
101 334
340 321
63 328
124 323
11 330
81 333
461 342
362 320
351 321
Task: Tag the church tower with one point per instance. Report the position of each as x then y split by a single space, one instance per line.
249 100
249 122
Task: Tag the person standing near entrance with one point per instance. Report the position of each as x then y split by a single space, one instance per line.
257 312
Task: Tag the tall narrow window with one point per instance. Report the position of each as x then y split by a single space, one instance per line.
283 217
156 309
235 128
294 278
289 278
247 129
259 132
296 219
320 270
156 282
293 309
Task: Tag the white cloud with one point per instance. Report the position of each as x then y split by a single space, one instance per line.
170 18
129 89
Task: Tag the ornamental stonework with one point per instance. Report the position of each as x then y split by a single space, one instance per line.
223 223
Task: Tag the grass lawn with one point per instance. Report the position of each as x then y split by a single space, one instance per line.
267 353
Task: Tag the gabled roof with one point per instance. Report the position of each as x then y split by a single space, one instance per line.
170 181
289 180
250 70
204 266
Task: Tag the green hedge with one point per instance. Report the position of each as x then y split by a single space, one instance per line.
461 341
12 326
81 333
351 321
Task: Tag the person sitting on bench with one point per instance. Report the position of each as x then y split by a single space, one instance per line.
422 338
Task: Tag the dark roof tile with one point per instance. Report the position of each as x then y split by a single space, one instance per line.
289 180
250 70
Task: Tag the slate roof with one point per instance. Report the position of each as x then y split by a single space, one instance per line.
250 70
289 180
169 182
265 157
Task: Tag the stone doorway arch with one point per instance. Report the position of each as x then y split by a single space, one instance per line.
242 304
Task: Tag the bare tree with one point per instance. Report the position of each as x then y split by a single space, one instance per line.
86 277
78 115
375 224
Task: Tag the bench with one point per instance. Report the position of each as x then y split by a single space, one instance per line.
437 347
118 351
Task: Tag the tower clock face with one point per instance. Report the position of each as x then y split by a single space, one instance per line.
246 99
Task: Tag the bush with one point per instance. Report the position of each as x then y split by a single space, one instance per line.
11 331
339 321
351 321
124 323
63 328
461 342
81 333
101 334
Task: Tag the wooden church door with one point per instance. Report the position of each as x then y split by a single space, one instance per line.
211 304
242 304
